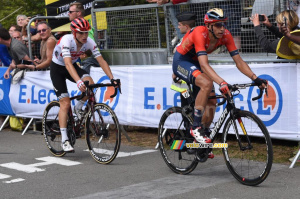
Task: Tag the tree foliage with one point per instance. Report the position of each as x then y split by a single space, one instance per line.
28 8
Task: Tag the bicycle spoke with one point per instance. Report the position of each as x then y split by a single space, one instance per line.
103 134
249 156
171 128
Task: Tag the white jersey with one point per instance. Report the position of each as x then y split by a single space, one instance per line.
66 47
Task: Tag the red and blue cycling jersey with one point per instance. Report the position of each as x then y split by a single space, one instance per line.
196 42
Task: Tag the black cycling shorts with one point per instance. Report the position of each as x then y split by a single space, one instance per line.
59 74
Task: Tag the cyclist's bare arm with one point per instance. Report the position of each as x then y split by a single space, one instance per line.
105 67
71 69
208 70
243 67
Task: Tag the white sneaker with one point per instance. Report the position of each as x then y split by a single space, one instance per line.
200 136
67 146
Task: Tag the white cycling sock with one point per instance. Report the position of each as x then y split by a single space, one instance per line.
64 135
79 105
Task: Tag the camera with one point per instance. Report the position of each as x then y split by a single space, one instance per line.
261 17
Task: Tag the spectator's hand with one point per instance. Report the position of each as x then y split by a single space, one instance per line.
152 1
266 22
6 74
285 31
161 2
36 60
255 20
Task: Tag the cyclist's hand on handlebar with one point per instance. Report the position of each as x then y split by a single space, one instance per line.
81 85
224 88
261 83
115 82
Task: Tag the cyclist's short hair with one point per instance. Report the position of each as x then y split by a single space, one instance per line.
4 34
190 23
291 16
79 7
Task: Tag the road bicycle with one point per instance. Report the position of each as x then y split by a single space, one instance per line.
98 122
249 152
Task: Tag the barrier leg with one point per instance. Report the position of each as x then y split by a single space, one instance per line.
295 159
27 126
3 124
125 133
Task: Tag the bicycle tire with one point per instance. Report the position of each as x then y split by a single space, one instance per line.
103 135
51 130
179 161
251 166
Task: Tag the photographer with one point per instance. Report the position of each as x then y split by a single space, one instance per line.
291 22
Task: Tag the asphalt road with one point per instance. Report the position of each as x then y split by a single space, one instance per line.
28 170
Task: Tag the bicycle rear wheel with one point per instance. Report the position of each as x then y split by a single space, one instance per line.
103 134
252 165
51 130
172 127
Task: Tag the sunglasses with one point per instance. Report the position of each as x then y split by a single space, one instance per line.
220 25
81 33
43 30
70 11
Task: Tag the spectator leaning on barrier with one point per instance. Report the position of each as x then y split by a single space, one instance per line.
18 51
292 21
47 46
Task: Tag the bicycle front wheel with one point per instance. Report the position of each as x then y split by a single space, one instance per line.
173 126
51 130
251 162
103 134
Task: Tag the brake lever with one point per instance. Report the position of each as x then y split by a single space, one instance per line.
266 90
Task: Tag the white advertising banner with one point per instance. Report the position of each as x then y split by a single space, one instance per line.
146 94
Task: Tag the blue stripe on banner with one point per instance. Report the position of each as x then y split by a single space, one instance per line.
5 107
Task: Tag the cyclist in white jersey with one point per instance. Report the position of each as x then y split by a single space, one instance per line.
63 66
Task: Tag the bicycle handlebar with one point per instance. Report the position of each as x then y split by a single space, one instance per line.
116 86
235 87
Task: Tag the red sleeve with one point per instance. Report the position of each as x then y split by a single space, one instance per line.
178 1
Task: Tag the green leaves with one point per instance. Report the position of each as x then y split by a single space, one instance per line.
10 9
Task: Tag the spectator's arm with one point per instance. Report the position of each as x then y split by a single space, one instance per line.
275 31
264 42
50 47
36 37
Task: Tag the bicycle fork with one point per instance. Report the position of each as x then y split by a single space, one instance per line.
238 137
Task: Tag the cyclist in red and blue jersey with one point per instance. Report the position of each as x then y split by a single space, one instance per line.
190 63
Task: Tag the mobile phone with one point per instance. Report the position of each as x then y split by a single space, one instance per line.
284 19
261 17
26 62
